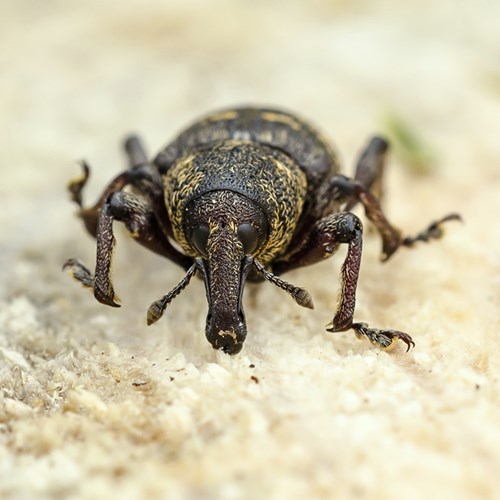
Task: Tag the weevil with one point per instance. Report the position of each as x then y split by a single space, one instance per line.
244 194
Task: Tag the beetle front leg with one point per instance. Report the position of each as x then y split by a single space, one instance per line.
325 237
141 223
100 283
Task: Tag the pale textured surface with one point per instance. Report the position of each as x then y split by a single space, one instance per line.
94 404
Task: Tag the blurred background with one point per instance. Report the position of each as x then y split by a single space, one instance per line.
76 77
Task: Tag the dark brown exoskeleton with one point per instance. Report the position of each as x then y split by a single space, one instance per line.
247 194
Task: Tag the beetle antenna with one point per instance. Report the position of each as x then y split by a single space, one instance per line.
157 308
300 295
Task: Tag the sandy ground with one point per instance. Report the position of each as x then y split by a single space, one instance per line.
94 404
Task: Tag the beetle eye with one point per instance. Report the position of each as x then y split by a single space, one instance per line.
249 237
199 239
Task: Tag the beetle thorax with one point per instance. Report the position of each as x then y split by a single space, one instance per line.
267 178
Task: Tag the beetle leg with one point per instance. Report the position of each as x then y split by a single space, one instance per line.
323 240
90 215
386 339
370 168
345 190
136 175
327 234
135 151
341 228
80 272
147 221
100 283
142 224
433 231
103 287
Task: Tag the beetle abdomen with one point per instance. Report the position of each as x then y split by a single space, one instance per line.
263 174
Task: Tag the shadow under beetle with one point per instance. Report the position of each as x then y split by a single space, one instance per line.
247 194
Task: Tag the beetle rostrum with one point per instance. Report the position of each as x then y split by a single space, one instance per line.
224 227
247 194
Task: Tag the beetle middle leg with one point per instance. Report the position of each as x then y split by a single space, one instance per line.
324 239
366 187
349 190
136 175
149 217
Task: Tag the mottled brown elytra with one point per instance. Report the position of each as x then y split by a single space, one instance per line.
247 194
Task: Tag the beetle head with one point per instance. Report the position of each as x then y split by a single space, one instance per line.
225 229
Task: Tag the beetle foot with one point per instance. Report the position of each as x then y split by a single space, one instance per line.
84 276
75 186
79 272
390 243
433 232
386 339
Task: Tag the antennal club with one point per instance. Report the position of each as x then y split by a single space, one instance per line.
157 308
300 295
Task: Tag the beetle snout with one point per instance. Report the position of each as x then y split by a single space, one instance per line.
227 335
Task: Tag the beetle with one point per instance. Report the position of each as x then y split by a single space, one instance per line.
245 194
